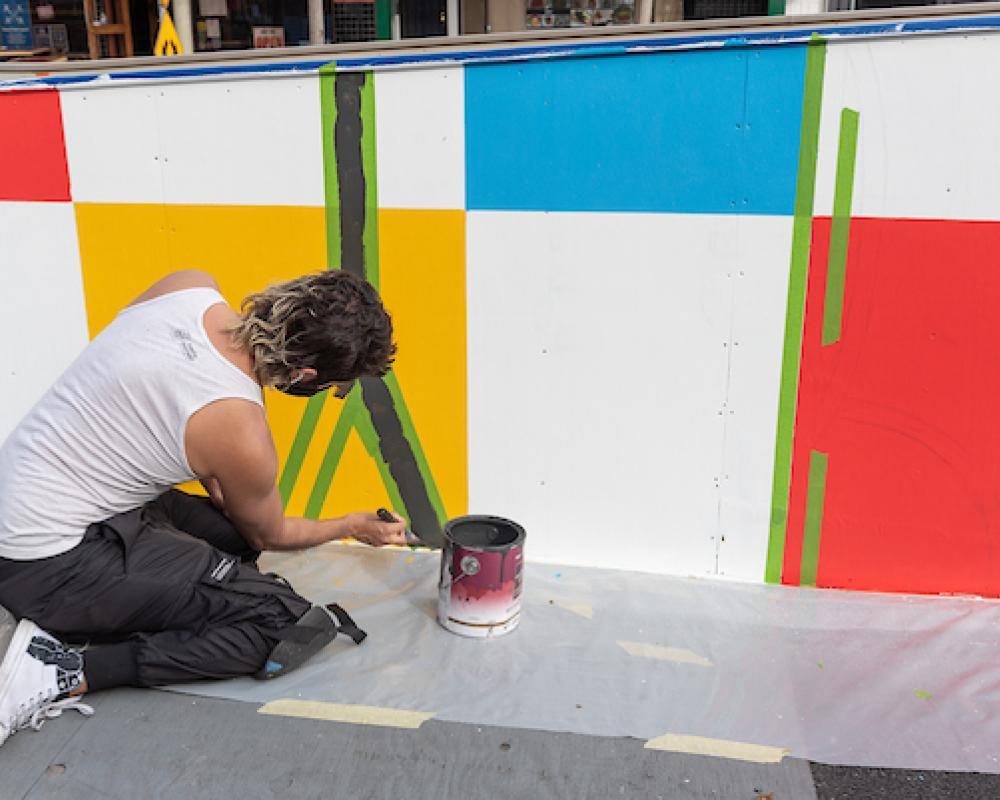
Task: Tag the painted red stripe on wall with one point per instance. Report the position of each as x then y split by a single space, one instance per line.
32 148
905 406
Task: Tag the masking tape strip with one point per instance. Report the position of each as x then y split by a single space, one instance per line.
675 654
719 748
337 712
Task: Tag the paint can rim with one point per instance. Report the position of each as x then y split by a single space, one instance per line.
518 530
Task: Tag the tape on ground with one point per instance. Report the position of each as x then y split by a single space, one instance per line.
676 654
336 712
720 748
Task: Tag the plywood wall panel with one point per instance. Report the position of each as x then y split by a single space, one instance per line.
927 127
597 370
420 118
44 311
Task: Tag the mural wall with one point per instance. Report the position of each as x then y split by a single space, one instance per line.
719 311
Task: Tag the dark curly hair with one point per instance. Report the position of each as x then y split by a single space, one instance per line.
332 321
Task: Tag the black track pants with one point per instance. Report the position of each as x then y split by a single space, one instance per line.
174 577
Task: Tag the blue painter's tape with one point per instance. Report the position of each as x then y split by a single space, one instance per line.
664 42
664 132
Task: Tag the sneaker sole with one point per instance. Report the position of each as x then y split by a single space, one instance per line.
17 649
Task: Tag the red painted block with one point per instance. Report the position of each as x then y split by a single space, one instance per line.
32 148
905 406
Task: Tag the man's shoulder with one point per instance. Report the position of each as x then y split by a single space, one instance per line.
177 282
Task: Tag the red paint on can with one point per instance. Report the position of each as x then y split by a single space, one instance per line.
482 566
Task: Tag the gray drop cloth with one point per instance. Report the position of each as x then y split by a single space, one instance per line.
835 677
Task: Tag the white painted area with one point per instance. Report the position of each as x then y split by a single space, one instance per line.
420 119
597 369
927 129
44 315
242 142
113 145
759 278
227 142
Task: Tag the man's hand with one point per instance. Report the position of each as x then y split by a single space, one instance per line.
369 529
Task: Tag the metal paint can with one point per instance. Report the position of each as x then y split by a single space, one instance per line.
482 566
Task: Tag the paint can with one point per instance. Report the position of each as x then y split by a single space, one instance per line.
482 565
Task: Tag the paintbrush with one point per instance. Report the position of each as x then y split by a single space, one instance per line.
411 538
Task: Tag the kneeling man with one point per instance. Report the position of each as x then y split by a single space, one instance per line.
96 545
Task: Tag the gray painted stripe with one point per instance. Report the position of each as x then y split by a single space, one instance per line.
350 172
398 455
395 448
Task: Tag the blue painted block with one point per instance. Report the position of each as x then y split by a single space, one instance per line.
713 131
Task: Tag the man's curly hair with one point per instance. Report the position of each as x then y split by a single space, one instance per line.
331 321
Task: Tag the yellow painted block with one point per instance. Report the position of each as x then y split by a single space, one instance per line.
126 247
357 484
422 269
328 417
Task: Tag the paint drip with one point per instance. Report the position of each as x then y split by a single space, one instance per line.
482 567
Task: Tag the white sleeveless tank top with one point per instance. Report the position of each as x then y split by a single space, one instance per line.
108 436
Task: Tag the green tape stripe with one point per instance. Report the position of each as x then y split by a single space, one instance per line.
331 186
300 446
410 431
840 227
349 414
368 164
815 497
355 414
795 314
314 407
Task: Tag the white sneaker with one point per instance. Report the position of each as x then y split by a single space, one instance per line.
36 676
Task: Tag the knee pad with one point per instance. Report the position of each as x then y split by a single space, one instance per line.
299 642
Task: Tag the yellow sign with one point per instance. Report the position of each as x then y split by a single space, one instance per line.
168 43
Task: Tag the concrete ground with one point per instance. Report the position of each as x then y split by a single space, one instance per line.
143 744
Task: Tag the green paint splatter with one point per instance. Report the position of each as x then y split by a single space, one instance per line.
921 694
820 665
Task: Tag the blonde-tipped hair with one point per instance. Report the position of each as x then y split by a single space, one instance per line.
332 321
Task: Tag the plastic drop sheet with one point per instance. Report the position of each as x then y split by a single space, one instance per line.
836 677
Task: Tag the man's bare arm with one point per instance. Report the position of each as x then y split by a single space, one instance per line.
230 442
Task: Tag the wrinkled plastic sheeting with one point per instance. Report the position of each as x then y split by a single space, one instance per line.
836 677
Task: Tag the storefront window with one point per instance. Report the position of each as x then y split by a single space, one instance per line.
579 13
58 26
